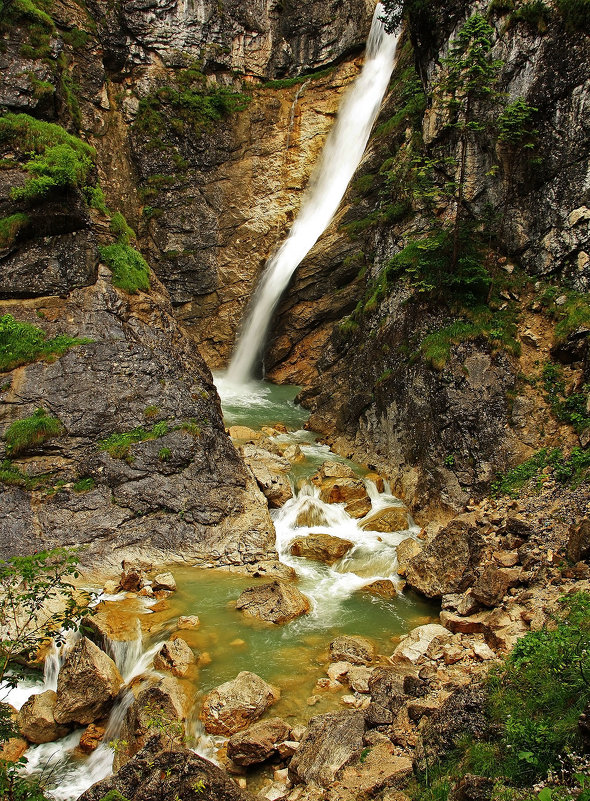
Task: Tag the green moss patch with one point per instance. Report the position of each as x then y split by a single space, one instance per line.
10 227
59 159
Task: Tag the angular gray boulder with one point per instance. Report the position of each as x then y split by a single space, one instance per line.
258 743
329 743
87 685
186 776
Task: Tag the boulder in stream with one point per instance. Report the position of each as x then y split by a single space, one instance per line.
36 719
393 518
158 709
270 472
310 514
333 470
91 738
321 547
405 551
233 705
343 490
351 648
87 685
277 602
258 743
175 656
132 579
164 581
329 743
187 776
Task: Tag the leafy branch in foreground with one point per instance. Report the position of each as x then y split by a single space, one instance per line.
38 603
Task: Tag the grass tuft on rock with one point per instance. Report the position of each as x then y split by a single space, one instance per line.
130 270
30 432
118 445
10 227
23 343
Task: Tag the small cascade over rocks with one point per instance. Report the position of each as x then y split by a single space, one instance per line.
340 157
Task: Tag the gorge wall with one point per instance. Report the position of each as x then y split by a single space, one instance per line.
451 367
112 436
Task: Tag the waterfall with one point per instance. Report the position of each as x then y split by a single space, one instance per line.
340 157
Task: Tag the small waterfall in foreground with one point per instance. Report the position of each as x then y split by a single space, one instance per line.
340 157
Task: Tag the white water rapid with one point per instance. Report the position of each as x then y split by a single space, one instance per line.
340 157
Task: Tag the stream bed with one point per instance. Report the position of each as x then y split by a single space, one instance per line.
292 657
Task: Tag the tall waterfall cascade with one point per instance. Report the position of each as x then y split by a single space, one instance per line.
339 159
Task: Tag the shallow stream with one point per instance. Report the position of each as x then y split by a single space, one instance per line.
292 657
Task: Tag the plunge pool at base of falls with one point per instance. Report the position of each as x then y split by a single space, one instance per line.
292 657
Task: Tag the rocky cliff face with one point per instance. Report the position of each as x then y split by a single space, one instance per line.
122 447
443 388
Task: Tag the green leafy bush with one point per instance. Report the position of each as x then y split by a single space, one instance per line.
539 693
567 408
31 432
27 583
535 698
22 343
130 270
573 470
58 167
188 102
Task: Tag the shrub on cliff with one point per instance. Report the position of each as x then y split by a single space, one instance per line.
59 159
130 270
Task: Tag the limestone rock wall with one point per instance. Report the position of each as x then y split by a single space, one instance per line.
206 203
443 434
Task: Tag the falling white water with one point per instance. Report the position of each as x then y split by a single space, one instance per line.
340 157
373 556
